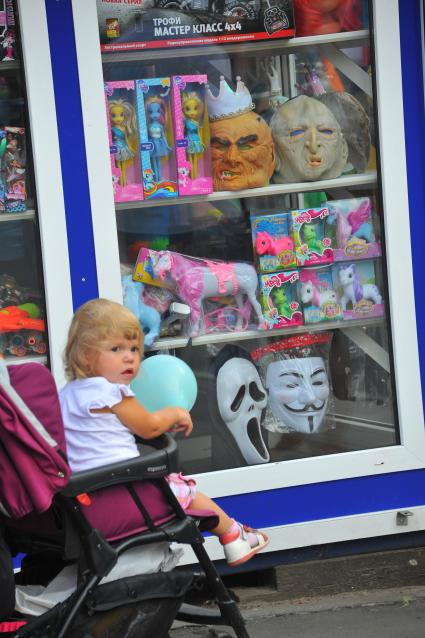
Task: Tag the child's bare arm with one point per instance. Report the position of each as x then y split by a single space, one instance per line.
149 425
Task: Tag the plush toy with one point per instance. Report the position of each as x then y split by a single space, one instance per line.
149 318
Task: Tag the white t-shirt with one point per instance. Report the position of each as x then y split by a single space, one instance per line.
94 439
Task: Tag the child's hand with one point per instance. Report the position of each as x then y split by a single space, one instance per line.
183 424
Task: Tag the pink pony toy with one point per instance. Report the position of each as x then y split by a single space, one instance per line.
265 244
310 293
355 224
197 279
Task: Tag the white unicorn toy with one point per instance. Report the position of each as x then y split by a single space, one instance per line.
312 291
354 291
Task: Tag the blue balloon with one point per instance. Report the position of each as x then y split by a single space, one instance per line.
165 381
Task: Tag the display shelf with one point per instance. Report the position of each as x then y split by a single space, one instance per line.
8 217
346 181
225 337
13 65
274 47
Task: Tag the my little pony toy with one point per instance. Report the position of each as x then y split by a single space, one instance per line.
149 318
197 279
310 293
265 244
355 224
354 291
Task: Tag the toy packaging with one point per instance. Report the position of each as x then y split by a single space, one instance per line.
120 99
198 283
279 299
153 24
13 193
318 296
157 150
357 291
7 32
192 131
312 245
350 226
273 242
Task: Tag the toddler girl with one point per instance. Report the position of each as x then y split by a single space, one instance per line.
102 416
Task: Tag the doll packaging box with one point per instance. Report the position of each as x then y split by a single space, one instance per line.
313 247
273 242
120 99
351 227
192 132
279 299
13 192
7 32
357 290
156 134
318 296
126 25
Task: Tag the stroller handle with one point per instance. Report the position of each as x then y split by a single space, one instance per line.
159 461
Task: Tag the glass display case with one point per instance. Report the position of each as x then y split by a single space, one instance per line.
23 331
256 213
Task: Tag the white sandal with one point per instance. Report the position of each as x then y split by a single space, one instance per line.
236 547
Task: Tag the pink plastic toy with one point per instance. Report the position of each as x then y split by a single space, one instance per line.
197 279
265 244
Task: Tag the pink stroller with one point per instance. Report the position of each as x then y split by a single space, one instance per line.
91 519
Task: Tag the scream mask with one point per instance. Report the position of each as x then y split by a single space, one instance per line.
242 152
241 400
309 142
298 393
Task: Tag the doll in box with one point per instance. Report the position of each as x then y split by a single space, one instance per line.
360 296
156 138
312 245
318 297
351 223
279 299
192 134
123 140
273 242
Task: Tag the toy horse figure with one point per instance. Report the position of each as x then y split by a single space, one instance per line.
198 279
354 291
356 224
310 293
265 244
149 318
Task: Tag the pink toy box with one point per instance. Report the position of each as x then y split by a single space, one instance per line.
351 227
13 192
192 132
279 300
312 245
318 296
358 293
123 140
272 241
157 152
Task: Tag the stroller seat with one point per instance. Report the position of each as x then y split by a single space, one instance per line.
92 518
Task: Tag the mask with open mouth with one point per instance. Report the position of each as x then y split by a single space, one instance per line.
295 372
241 399
309 141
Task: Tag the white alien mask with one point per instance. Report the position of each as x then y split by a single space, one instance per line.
298 394
241 399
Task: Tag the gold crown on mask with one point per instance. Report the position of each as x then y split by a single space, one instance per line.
229 103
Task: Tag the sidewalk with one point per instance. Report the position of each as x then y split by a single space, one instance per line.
383 613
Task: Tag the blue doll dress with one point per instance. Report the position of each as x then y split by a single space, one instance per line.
160 146
123 151
192 135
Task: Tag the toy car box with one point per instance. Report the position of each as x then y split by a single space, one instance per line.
158 24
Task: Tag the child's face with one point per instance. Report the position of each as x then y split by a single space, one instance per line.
117 360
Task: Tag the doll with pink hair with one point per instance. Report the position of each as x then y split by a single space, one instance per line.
316 17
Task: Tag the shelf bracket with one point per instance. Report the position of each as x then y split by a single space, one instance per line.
349 68
366 343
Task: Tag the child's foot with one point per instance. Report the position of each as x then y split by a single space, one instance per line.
241 543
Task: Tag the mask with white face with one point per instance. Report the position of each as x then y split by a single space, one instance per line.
298 394
241 399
